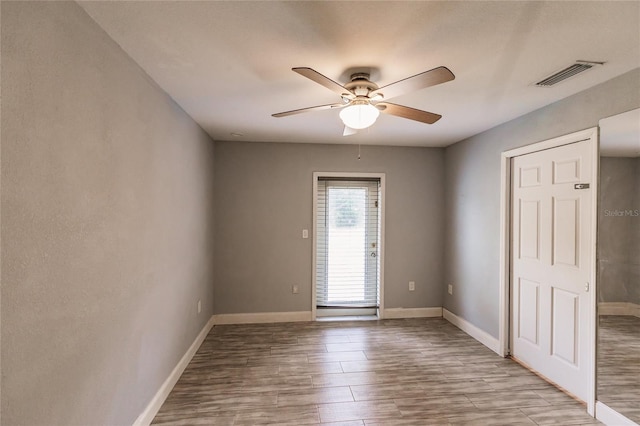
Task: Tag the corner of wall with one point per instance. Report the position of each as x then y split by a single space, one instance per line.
146 417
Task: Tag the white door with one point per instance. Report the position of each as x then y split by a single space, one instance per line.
551 264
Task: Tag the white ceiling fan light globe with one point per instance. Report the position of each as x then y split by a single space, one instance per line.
359 116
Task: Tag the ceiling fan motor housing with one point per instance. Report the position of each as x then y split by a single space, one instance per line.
360 84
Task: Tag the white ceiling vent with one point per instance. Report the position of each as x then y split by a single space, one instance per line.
568 72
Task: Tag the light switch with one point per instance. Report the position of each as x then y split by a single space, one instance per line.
305 233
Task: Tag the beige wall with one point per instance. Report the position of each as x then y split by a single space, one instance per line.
264 200
473 191
107 210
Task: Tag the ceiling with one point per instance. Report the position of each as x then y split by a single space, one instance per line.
228 63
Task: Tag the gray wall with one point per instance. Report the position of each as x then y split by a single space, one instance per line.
264 200
107 189
619 230
472 179
634 252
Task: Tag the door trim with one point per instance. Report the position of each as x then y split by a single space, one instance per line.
504 338
355 176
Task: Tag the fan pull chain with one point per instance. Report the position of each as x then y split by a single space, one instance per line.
358 152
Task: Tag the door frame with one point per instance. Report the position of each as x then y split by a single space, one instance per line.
381 201
505 335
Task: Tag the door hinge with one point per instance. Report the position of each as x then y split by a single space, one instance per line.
586 287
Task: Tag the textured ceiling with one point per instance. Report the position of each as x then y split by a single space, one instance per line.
228 63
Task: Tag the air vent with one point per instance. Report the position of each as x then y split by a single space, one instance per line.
568 72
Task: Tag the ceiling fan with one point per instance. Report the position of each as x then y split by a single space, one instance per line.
362 100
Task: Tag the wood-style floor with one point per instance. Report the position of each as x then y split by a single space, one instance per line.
619 364
390 372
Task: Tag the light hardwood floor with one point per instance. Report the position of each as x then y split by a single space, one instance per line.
389 372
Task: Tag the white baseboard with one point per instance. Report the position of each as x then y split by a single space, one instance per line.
473 331
611 417
619 308
262 317
158 399
270 317
394 313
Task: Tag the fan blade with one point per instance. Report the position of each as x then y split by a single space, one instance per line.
407 112
314 75
348 131
417 82
313 108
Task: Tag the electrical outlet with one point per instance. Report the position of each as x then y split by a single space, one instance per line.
294 289
412 285
450 289
199 306
305 233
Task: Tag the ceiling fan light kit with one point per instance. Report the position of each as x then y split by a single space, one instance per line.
362 100
359 115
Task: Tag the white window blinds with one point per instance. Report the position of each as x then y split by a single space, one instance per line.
347 239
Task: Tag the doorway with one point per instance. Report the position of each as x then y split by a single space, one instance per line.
548 260
348 211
